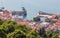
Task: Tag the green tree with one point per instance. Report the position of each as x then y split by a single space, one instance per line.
2 33
16 34
1 22
42 32
52 34
34 34
10 29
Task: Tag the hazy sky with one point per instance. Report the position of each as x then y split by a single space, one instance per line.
33 5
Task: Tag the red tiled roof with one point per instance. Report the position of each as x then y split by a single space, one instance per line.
7 16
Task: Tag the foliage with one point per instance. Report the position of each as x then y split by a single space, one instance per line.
48 34
2 34
10 29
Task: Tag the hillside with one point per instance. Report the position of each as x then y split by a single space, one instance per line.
10 29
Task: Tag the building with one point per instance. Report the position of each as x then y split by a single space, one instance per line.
19 13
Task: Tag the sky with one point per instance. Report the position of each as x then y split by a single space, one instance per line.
32 6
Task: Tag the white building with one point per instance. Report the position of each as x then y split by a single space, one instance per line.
43 17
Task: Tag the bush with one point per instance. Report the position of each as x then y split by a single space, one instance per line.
10 29
2 34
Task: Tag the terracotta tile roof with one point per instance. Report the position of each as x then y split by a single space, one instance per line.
6 15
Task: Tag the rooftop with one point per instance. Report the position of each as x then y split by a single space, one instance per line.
34 25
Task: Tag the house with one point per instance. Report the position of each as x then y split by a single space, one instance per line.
41 18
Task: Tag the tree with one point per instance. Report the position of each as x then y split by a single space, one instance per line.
1 22
2 33
34 34
10 29
42 32
17 34
52 34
